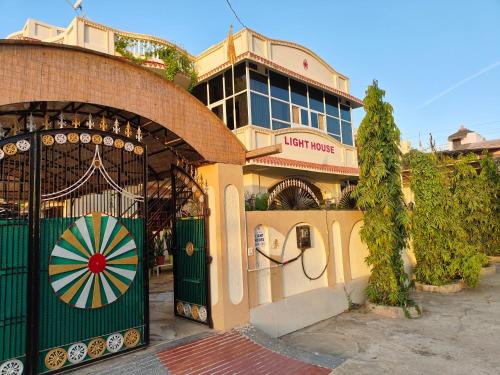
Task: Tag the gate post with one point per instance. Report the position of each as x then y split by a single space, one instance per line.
33 279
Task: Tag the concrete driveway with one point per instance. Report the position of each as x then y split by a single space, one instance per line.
458 334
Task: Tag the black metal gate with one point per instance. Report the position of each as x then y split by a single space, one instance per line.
72 228
191 254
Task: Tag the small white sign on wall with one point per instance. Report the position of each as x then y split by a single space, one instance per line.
259 238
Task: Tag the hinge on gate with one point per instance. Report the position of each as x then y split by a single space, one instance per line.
209 259
207 212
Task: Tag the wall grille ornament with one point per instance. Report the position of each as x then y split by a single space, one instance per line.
77 352
293 194
94 262
12 367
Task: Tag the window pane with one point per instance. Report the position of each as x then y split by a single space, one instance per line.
332 105
228 77
258 82
260 110
200 92
229 114
279 86
280 110
304 117
345 113
337 137
241 110
280 125
219 111
215 88
332 125
314 119
316 99
347 133
298 93
240 82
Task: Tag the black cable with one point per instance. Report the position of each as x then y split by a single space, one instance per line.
277 261
322 272
238 18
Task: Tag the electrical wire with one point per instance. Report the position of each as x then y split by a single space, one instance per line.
234 12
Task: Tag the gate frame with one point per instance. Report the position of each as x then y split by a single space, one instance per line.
208 257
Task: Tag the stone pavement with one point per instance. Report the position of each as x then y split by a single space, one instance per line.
458 334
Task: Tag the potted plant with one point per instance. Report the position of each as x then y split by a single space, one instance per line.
158 251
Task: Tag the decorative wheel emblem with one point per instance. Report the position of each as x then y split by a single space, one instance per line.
94 262
96 139
55 358
129 147
203 313
132 338
96 347
108 141
195 312
23 145
187 309
77 352
10 149
61 138
180 308
12 367
189 248
138 150
73 138
114 342
2 154
85 138
47 140
119 143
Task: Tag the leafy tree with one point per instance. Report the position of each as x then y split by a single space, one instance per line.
379 194
490 181
434 220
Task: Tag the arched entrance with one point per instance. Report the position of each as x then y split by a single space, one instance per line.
86 179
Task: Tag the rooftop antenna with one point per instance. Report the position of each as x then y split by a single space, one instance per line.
77 7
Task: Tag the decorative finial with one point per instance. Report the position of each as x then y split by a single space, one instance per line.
138 135
61 123
75 122
90 122
128 130
103 124
31 123
46 122
15 128
116 127
2 131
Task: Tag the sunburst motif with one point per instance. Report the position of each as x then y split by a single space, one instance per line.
94 262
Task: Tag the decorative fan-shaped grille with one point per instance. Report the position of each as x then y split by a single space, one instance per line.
346 200
293 194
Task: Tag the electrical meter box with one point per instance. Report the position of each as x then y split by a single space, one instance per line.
303 237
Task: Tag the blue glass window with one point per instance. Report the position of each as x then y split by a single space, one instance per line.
332 125
314 120
279 86
298 93
345 113
304 117
258 82
260 110
347 133
332 105
280 125
280 110
316 100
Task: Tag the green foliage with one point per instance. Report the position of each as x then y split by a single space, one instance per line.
175 61
379 194
490 183
434 221
256 202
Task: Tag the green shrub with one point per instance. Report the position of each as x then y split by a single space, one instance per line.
490 180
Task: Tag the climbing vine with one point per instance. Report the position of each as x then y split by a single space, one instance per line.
379 195
175 61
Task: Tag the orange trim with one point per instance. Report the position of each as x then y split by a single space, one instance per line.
290 163
283 70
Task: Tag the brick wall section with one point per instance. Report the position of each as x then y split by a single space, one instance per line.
35 71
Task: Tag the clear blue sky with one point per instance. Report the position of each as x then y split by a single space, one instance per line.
439 61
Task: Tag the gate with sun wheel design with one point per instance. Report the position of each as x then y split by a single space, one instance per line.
72 228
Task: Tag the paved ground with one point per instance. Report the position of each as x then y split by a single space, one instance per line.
458 334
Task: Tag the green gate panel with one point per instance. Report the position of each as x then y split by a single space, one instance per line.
13 293
62 324
190 269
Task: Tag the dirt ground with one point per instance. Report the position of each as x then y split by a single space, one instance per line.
457 334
